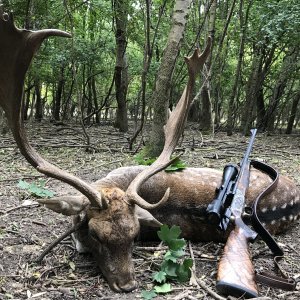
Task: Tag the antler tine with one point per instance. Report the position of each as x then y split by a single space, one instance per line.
17 48
173 130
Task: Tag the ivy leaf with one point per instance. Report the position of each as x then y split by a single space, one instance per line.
184 270
167 234
160 276
163 289
148 295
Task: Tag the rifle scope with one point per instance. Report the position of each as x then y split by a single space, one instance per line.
216 208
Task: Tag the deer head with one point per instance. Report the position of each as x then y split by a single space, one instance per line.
112 215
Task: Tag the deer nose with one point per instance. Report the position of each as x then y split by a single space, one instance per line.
121 287
128 286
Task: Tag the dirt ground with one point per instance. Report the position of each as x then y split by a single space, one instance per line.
27 228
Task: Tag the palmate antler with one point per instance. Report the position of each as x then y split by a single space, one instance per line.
17 48
172 130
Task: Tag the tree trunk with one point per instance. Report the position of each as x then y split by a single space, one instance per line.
251 88
293 113
89 96
234 93
287 67
160 97
26 96
260 108
58 96
261 63
38 116
206 118
3 122
218 64
121 70
97 116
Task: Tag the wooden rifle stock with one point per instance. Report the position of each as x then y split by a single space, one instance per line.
235 272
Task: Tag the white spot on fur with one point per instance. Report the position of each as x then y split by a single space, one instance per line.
283 206
273 222
291 217
264 223
292 203
283 218
274 208
263 210
297 198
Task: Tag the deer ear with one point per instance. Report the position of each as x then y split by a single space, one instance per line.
66 205
146 218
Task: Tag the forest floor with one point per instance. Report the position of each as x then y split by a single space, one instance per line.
27 228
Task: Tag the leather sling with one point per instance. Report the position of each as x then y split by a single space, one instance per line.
282 282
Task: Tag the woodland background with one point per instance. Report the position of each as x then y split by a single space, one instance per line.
125 62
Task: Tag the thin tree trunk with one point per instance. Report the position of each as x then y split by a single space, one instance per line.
58 96
217 64
26 96
293 113
261 63
287 67
38 116
206 118
3 122
160 97
234 93
148 54
121 69
94 92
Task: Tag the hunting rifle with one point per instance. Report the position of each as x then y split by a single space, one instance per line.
235 273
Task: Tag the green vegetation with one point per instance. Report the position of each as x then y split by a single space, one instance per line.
174 267
36 189
177 164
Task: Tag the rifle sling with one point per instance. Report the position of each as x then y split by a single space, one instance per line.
283 282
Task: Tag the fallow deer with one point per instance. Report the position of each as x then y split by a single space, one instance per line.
114 207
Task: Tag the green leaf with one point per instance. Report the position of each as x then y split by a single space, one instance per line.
35 189
177 244
174 255
167 234
23 184
169 256
184 270
163 289
148 295
177 165
160 276
141 160
170 268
